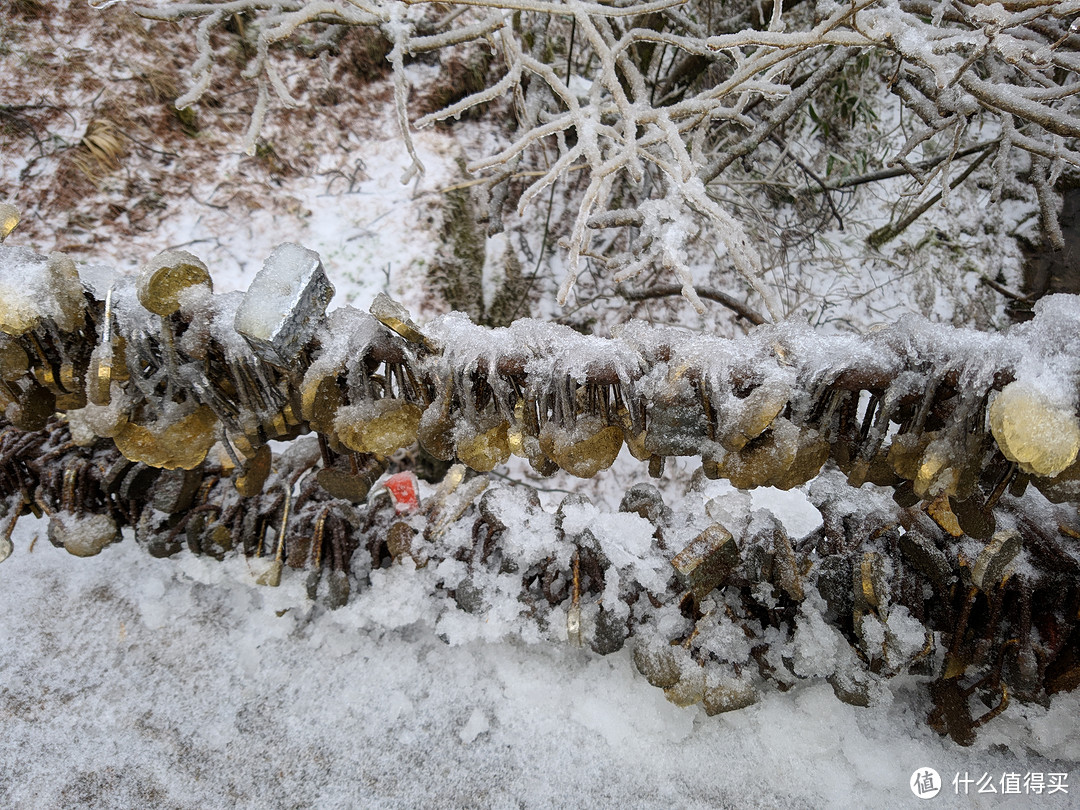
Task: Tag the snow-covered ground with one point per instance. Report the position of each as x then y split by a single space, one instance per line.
127 681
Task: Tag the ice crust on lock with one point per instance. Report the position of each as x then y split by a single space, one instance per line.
281 309
34 288
544 350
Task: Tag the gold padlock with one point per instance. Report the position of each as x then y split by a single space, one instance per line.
167 276
250 480
1041 436
320 398
381 426
14 361
436 429
180 444
32 408
584 449
751 416
9 219
486 448
810 457
764 462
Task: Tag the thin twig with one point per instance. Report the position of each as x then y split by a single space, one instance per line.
1001 288
898 171
890 232
666 290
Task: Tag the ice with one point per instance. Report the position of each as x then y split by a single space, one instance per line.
818 648
35 288
281 309
476 725
1036 428
82 536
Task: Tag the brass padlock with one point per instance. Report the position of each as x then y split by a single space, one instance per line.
1041 436
9 220
180 444
167 277
485 448
14 361
381 426
253 475
584 448
745 419
436 429
320 398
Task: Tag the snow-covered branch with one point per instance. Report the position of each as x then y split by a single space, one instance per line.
659 108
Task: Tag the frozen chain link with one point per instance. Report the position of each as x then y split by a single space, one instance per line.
114 400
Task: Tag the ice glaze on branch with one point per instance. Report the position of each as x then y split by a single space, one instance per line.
957 61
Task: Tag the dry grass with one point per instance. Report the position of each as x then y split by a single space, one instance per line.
100 150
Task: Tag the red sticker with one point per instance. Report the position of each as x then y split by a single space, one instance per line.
404 489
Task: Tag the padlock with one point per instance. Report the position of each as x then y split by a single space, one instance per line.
583 448
9 220
992 565
743 420
436 429
381 426
1042 436
354 483
32 408
178 444
14 361
284 304
395 317
36 288
167 277
82 535
252 476
321 396
707 561
486 447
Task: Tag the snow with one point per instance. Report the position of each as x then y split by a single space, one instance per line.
130 681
